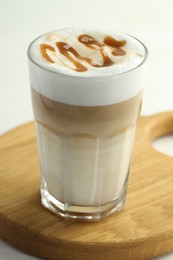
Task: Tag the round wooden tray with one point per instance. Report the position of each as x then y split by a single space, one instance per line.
142 230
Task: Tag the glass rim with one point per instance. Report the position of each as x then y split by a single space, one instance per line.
146 52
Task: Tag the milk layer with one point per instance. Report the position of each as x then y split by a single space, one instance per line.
84 170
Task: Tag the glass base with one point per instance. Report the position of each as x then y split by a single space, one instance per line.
81 213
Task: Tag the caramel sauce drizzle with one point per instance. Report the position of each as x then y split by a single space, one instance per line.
114 45
90 42
65 48
43 50
113 42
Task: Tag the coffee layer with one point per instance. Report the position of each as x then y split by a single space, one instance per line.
72 119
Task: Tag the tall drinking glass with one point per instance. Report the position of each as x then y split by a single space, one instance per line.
85 131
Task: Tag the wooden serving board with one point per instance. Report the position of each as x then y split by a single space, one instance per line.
144 229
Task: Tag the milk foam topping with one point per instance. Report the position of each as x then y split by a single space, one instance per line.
87 67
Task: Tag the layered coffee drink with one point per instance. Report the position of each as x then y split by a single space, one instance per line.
86 90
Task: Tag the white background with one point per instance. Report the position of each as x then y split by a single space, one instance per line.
23 20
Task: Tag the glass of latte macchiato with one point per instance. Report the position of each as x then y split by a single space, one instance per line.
86 87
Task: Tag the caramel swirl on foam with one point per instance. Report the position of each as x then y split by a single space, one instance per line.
43 48
90 42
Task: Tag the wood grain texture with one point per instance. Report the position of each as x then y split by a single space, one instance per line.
144 229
